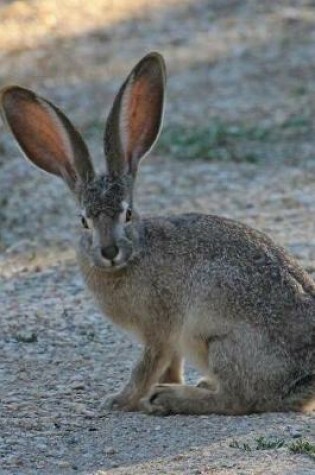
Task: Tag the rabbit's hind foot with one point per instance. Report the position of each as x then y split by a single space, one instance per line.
165 399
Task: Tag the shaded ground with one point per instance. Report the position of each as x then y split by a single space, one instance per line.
240 85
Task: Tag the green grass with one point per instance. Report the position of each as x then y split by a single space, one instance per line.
303 447
26 337
215 142
261 443
224 141
218 141
297 122
300 446
242 446
300 90
264 443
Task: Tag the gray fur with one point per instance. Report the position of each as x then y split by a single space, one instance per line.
201 287
105 195
224 295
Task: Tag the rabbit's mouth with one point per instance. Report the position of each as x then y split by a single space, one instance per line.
116 263
111 265
106 263
119 262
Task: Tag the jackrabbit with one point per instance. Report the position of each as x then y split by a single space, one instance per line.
204 287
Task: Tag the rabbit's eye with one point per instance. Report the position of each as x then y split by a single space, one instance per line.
84 222
128 215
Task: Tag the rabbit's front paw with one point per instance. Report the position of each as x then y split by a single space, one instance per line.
118 402
159 401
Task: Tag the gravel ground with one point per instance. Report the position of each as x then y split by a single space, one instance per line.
59 357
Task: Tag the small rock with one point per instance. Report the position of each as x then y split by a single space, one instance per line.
110 451
41 446
64 464
114 465
72 440
88 414
295 433
77 385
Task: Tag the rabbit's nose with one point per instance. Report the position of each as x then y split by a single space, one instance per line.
109 252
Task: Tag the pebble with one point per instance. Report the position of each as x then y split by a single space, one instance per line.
110 451
78 385
41 446
114 465
88 414
295 433
64 464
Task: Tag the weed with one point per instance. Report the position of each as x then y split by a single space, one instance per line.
300 90
264 443
274 443
296 122
244 446
303 447
26 337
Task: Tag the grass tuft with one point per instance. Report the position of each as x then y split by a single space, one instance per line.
243 446
303 447
26 337
273 443
263 443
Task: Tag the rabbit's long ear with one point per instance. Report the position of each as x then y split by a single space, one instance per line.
134 122
45 135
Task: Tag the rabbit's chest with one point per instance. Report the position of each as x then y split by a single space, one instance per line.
118 297
114 302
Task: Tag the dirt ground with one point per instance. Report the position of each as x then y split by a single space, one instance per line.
247 65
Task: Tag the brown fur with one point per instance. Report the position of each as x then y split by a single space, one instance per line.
195 286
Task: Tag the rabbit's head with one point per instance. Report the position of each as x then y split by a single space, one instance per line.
49 140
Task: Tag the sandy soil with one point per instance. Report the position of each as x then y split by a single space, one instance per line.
248 64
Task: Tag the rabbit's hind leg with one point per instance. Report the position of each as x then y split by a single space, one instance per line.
249 371
174 372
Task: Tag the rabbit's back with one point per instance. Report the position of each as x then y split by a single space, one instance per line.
230 266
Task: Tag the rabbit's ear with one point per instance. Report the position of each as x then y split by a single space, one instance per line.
134 123
45 135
